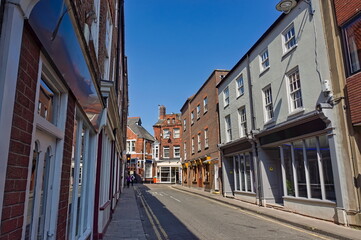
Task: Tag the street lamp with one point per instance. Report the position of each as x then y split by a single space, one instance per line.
287 5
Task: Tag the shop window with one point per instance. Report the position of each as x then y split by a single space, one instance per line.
300 168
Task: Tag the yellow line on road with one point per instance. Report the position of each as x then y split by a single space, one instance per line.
152 216
256 215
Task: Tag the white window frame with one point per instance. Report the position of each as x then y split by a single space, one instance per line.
240 85
268 103
198 111
294 90
228 128
184 124
264 60
289 38
205 105
226 96
174 151
185 150
242 119
131 145
164 148
206 140
199 145
95 26
192 117
166 133
193 150
176 133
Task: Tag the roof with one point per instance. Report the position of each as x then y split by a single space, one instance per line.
264 35
135 124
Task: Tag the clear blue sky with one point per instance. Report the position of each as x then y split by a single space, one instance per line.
174 45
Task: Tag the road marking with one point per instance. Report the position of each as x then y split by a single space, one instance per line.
165 193
175 199
256 216
151 217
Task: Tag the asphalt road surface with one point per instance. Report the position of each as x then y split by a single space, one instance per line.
168 213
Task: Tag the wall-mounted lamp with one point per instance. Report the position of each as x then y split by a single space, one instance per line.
286 6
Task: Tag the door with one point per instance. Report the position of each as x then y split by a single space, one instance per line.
41 185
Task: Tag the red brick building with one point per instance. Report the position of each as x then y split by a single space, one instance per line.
139 149
201 160
63 108
167 147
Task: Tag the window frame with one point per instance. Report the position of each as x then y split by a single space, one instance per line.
348 55
206 140
166 148
175 134
264 61
228 128
292 93
199 145
205 104
198 111
226 96
242 119
268 105
288 39
192 117
166 136
240 85
174 151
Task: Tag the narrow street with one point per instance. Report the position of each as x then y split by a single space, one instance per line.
168 213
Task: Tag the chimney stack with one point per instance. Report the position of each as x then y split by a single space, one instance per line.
161 112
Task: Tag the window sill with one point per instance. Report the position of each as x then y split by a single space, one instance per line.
314 200
226 106
264 71
240 95
205 112
288 52
295 113
269 122
205 148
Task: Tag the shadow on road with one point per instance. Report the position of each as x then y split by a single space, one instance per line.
158 221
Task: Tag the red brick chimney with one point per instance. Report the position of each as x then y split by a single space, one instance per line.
162 111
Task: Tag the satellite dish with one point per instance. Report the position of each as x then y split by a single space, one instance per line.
286 5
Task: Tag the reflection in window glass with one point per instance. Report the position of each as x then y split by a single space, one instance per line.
311 150
236 170
327 168
353 43
300 168
47 102
288 169
248 172
243 172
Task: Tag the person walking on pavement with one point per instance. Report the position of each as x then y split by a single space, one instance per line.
132 178
129 179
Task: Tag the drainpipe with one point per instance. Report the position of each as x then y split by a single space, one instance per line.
256 160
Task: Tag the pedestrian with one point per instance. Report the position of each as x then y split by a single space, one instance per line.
132 178
129 179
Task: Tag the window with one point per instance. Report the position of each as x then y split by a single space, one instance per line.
176 133
242 122
309 157
268 104
192 117
108 42
198 111
206 138
166 133
226 97
184 124
295 90
289 39
192 145
156 151
130 146
95 26
173 120
264 60
48 104
185 150
199 142
243 169
240 86
352 38
228 128
176 151
166 152
168 121
205 105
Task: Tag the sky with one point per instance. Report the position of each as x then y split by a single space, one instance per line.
174 45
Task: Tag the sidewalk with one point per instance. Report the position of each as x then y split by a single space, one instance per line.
126 222
318 226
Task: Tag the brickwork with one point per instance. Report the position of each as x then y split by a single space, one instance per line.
354 97
66 170
346 9
20 141
199 175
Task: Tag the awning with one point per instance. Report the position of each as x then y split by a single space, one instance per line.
210 160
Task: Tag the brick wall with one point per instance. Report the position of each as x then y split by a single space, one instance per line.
20 140
354 97
66 169
346 9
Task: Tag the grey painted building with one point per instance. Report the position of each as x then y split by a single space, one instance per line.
279 131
